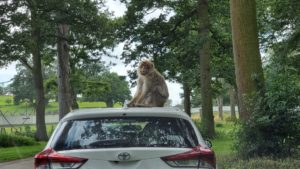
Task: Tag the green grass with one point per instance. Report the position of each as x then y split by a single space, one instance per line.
223 142
51 108
8 130
91 104
231 161
14 153
11 108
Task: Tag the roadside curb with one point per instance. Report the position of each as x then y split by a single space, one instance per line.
17 164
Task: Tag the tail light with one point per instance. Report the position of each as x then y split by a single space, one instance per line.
49 159
198 157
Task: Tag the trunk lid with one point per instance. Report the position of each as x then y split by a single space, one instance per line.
125 158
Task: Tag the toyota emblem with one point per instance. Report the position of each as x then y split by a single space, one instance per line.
124 156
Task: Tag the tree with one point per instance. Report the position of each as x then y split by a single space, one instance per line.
206 91
22 34
63 56
28 34
272 129
22 86
8 101
232 95
107 87
64 95
220 88
88 81
118 89
187 98
248 66
36 48
173 40
81 44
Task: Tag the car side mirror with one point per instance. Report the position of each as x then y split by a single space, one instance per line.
208 143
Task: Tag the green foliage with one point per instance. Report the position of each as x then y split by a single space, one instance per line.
196 97
230 119
14 140
50 84
223 145
22 86
273 129
1 90
87 80
96 83
278 21
93 89
118 91
28 132
8 101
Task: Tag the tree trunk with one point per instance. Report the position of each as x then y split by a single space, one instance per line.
74 104
248 66
206 91
187 98
41 132
63 70
109 103
232 103
220 106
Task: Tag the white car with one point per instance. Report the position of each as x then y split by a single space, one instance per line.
126 138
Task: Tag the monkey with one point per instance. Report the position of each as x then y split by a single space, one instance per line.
152 90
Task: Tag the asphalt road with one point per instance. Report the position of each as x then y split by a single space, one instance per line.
18 164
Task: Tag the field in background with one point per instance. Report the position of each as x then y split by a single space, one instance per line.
51 108
26 128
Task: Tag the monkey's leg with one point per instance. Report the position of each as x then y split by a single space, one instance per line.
149 101
142 105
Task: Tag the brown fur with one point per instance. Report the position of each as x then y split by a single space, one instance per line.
152 90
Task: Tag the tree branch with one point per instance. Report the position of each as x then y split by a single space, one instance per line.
26 64
179 22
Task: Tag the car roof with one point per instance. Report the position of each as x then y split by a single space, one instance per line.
123 112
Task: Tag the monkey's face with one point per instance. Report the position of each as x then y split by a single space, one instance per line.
144 69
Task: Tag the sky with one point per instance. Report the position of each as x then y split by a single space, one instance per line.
8 72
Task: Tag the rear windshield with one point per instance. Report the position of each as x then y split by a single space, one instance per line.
125 132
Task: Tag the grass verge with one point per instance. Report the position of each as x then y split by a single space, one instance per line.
15 153
231 161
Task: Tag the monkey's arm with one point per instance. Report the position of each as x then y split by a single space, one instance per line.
163 90
137 94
